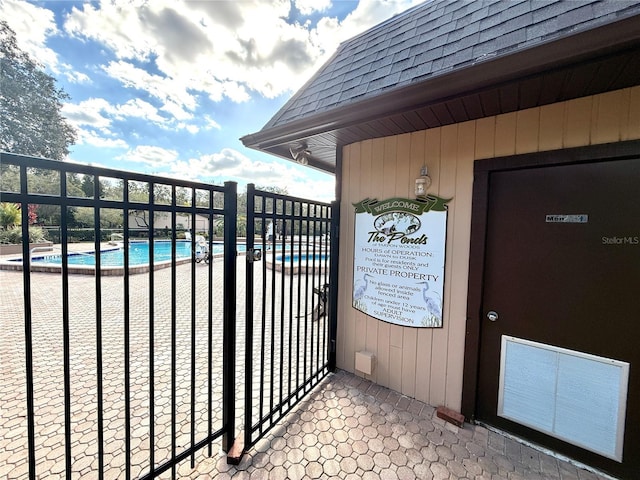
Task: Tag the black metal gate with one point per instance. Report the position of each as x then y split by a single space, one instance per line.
290 304
122 363
129 369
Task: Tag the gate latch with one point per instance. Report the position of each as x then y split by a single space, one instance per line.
254 255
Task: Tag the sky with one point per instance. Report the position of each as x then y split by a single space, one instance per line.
168 87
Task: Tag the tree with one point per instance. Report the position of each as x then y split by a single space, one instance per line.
87 186
31 121
109 218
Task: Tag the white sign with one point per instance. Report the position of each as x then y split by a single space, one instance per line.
399 255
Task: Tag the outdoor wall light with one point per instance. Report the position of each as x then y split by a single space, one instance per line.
422 182
300 154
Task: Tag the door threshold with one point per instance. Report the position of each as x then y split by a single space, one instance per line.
546 451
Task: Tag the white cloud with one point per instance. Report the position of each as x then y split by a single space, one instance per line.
367 14
177 100
150 155
33 25
323 190
74 76
210 123
176 111
137 108
221 49
89 112
189 127
114 24
228 162
231 164
90 137
234 91
92 125
307 7
93 119
98 113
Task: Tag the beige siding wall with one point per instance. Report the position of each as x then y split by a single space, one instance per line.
427 363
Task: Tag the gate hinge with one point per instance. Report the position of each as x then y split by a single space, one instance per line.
254 255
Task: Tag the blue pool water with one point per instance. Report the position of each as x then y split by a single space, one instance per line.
138 254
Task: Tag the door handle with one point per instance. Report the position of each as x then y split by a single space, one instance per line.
493 316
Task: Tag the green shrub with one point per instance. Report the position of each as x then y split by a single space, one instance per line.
13 235
9 215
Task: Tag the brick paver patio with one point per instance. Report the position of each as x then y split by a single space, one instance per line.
347 428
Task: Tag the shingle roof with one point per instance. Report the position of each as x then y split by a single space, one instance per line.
451 61
439 36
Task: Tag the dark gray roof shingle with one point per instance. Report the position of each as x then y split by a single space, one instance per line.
436 37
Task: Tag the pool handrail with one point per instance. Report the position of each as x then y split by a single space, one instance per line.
38 249
116 238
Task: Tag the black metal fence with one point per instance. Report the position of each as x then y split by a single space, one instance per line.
133 372
290 315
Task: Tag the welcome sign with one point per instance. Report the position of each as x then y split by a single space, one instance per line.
399 255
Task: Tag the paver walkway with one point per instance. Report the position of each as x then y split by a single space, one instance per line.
347 428
350 428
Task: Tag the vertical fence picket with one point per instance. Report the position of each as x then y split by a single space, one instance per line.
127 345
210 329
65 327
249 332
98 297
151 278
174 315
28 331
194 238
229 330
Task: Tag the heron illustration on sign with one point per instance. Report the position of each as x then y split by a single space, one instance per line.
359 288
433 306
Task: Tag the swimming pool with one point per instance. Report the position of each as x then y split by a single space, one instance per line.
138 254
297 263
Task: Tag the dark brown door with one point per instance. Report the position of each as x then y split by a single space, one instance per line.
571 282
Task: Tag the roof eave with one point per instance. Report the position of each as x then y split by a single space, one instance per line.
499 69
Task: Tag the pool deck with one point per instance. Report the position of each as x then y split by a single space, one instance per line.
347 428
6 262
